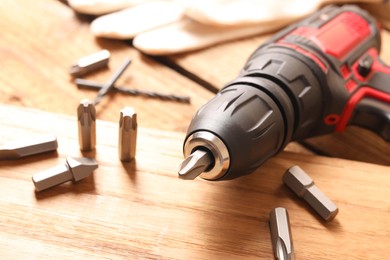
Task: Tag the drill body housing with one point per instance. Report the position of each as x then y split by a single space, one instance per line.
310 79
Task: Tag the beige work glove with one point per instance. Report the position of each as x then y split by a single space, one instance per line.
162 27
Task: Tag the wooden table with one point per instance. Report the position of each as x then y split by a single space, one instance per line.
141 210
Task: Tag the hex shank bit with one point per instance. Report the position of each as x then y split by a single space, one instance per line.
281 234
26 147
303 186
86 122
127 134
75 169
90 63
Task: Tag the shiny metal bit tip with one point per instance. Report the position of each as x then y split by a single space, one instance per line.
194 165
127 134
303 186
86 122
90 63
26 147
281 234
75 169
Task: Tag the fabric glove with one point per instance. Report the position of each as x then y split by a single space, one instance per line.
163 27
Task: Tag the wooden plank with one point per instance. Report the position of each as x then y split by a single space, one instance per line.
354 144
142 210
220 64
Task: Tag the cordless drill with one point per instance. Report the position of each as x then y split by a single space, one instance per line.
312 78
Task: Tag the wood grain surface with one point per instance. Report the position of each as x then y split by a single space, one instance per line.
141 210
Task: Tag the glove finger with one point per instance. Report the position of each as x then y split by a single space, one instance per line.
98 7
188 35
246 12
129 22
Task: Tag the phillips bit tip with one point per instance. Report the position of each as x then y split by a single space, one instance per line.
194 165
281 234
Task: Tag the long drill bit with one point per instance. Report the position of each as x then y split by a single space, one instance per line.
82 83
110 83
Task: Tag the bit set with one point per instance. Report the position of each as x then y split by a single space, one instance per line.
75 169
303 186
86 121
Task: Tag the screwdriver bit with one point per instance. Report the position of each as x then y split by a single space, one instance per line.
75 169
303 186
83 83
86 122
127 134
90 63
22 148
281 234
194 165
110 83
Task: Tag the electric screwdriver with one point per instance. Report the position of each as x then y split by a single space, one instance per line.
312 78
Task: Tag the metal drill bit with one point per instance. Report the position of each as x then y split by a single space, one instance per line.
86 122
90 63
303 186
127 134
194 165
110 83
83 83
26 147
281 234
75 169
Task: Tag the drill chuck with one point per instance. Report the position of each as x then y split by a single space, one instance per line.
219 160
234 128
